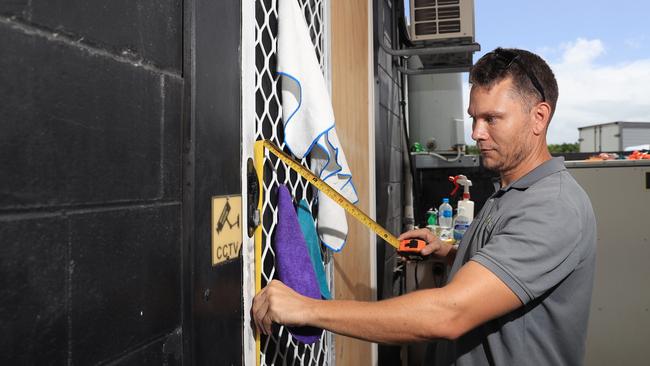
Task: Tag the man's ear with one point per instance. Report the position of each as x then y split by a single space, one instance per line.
541 115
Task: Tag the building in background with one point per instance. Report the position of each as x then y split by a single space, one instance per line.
613 136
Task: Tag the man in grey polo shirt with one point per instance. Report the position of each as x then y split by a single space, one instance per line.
520 284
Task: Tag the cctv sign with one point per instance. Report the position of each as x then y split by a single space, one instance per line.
226 228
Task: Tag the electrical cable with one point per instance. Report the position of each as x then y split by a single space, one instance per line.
458 155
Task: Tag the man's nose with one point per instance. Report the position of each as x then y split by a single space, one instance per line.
478 131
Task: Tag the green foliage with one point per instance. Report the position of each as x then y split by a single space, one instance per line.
472 150
564 148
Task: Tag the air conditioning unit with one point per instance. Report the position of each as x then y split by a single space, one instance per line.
436 20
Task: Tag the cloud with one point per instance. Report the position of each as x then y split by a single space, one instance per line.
591 93
582 51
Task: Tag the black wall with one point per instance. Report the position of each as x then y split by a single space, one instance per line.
118 121
216 148
389 136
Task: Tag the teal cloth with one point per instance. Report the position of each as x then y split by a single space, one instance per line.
308 227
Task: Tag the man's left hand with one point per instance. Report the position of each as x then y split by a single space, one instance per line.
277 303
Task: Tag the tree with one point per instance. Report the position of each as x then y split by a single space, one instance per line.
564 148
472 150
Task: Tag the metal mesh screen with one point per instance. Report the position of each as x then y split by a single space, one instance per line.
280 348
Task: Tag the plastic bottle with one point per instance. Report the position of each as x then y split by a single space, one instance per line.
468 207
432 220
445 213
466 203
432 216
461 223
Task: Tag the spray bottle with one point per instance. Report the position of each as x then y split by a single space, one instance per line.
466 204
465 207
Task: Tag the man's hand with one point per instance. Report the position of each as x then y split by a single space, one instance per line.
277 303
434 245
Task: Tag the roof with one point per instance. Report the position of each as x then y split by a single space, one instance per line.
621 123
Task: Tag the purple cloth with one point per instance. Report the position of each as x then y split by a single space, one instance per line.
293 261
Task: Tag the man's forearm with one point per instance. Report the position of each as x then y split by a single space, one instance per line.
446 312
418 316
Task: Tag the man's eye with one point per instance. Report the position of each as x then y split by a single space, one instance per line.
489 119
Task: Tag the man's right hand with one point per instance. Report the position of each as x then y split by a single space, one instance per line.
434 245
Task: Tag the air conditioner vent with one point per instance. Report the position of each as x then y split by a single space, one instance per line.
449 12
449 26
442 20
426 28
427 14
423 3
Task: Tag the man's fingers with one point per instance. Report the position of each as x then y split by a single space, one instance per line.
267 323
260 309
266 319
261 313
424 234
429 248
277 303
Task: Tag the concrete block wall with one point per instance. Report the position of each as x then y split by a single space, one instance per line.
90 186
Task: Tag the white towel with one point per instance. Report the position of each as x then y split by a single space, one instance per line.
309 120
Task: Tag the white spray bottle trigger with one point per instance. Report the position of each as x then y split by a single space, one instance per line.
466 204
466 183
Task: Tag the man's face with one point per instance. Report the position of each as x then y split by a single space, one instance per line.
501 127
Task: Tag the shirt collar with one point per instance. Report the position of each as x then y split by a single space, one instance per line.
545 169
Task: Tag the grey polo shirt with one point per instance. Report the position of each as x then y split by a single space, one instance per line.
538 235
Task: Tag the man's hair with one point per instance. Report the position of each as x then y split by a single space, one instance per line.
523 67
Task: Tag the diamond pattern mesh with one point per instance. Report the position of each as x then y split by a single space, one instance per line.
280 348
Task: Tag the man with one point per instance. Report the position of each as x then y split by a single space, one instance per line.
520 284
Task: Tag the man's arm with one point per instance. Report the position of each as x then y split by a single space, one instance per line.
474 297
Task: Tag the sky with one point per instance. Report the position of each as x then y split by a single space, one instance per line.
598 50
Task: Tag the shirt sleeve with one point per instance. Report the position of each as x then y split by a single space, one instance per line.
534 247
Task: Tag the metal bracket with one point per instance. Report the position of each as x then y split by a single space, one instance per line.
438 50
442 70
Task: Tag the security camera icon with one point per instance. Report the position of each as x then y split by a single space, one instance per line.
223 218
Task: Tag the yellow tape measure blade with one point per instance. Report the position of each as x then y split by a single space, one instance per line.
333 194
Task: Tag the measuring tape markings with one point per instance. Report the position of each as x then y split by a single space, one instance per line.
333 194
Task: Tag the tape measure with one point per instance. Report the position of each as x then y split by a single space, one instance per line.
409 246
